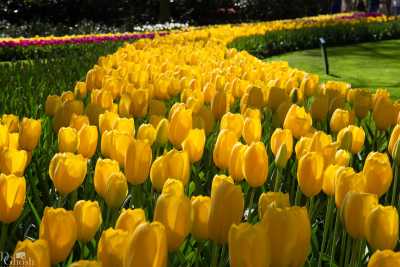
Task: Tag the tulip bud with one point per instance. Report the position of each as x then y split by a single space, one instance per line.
53 102
103 170
278 199
320 107
29 133
86 263
107 120
279 138
382 228
275 97
124 105
13 141
87 141
236 162
208 119
67 171
220 104
302 147
289 232
35 252
125 125
329 179
252 130
179 126
116 190
243 239
11 121
4 136
140 102
61 240
298 121
226 208
357 138
233 122
396 153
67 96
115 145
223 147
340 119
200 211
146 132
169 209
130 219
394 137
78 121
112 246
355 210
88 219
67 139
342 157
384 114
378 174
147 246
13 161
138 161
385 258
346 181
309 173
162 132
12 194
173 187
194 144
255 164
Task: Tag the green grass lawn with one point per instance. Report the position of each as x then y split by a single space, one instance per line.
365 65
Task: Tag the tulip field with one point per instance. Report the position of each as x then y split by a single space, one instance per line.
175 150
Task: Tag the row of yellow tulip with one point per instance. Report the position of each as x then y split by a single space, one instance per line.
198 105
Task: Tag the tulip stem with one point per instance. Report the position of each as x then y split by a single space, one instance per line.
343 246
335 233
214 259
327 226
277 179
3 238
249 207
298 197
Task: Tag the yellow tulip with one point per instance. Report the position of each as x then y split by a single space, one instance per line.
111 247
384 114
233 122
138 161
248 246
252 130
382 227
361 100
289 232
174 212
67 139
194 144
53 102
226 208
116 190
279 138
329 179
60 239
309 85
162 132
35 253
320 107
255 164
378 174
86 263
29 133
11 121
80 89
355 210
67 96
78 121
140 103
220 104
88 219
67 171
107 121
347 180
63 115
310 173
115 145
157 107
147 132
357 137
4 136
223 147
340 119
179 126
130 219
13 161
303 146
319 141
87 141
200 211
147 246
125 125
275 97
298 121
394 137
13 141
12 197
207 117
384 258
103 170
236 162
278 199
342 158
